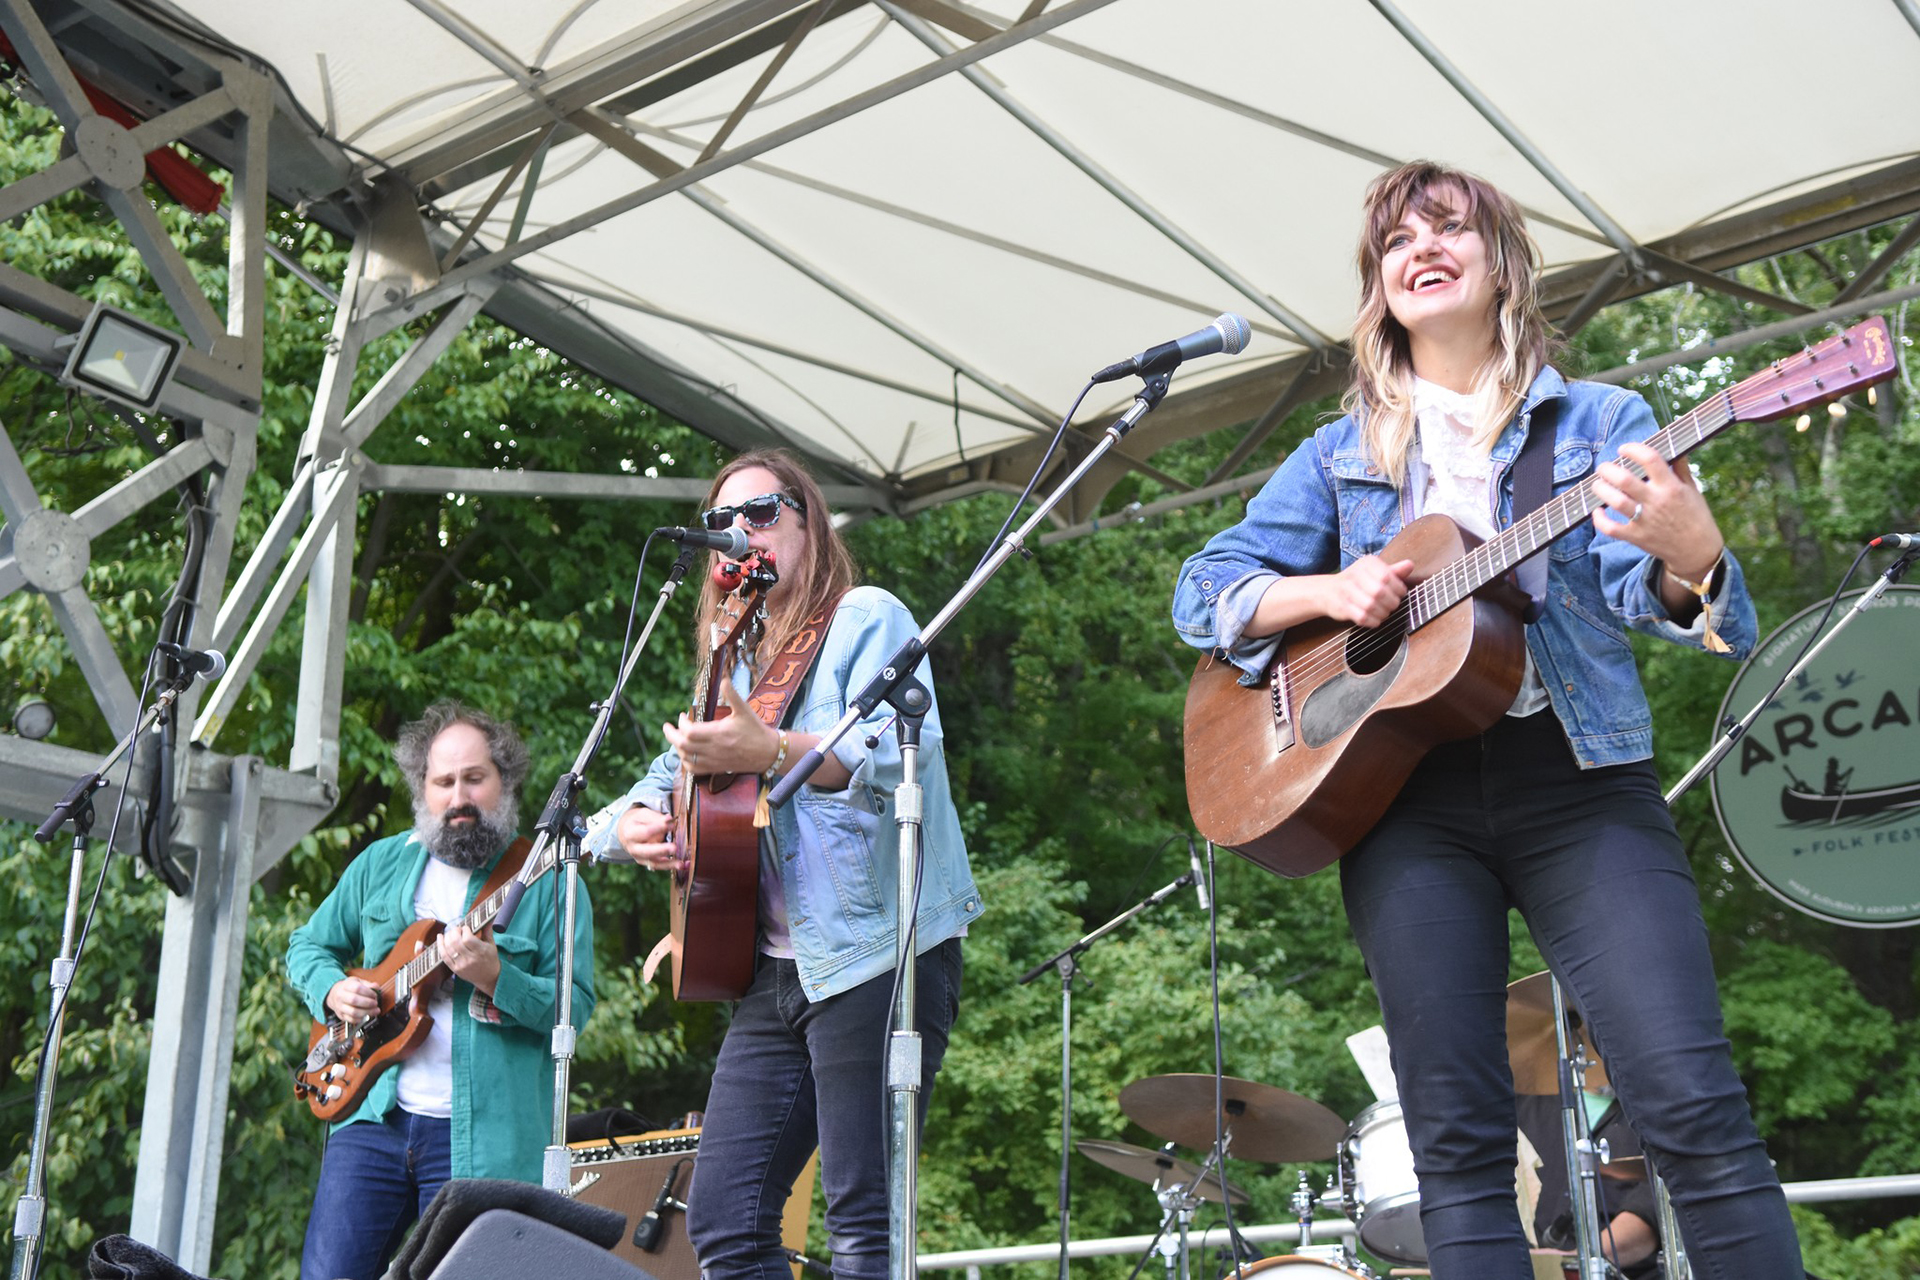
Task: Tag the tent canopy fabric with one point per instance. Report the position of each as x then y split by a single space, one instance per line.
898 235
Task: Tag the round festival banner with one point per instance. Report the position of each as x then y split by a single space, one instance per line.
1821 797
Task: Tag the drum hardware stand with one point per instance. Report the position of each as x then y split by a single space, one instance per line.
1673 1259
1066 964
560 824
904 1047
1584 1155
1178 1203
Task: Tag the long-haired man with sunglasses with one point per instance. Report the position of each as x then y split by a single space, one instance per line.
802 1062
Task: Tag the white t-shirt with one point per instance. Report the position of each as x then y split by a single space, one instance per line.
1460 485
426 1077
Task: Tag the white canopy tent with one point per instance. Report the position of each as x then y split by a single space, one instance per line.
899 234
894 234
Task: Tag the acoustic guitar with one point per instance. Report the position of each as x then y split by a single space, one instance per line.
1292 772
714 901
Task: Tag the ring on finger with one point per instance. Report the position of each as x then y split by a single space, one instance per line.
1636 513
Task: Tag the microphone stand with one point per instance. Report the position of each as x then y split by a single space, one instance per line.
560 823
1066 963
1734 730
29 1219
904 1046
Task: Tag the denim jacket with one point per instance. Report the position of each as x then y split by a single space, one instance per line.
839 851
1329 504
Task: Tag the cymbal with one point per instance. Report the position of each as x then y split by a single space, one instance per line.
1156 1168
1532 1048
1267 1123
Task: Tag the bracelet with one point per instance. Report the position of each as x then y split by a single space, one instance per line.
772 771
1703 589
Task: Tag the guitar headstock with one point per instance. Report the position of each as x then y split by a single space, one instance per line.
1860 357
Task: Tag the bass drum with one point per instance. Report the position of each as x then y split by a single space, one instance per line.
1295 1267
1378 1188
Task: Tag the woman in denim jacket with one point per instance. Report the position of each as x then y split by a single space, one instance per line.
802 1062
1556 810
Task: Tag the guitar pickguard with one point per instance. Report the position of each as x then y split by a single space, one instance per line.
1332 708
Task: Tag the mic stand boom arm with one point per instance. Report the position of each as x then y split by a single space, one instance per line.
908 656
1734 730
560 821
1067 964
903 1045
29 1219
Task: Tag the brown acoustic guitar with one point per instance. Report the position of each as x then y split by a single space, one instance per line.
345 1058
1292 772
714 901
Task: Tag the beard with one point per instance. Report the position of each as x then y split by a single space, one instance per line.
468 845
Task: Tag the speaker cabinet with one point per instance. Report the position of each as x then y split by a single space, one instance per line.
626 1176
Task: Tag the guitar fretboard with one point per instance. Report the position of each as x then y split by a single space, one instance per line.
415 971
1552 518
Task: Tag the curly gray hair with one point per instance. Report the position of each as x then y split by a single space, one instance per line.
503 744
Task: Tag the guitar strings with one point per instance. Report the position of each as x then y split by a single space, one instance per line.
1460 578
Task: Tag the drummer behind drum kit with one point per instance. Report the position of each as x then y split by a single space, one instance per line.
1373 1174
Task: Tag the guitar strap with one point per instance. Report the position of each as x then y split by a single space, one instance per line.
775 690
1532 486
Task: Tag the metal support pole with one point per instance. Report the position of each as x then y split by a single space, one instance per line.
556 1172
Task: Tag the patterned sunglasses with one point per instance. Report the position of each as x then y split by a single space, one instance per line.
762 512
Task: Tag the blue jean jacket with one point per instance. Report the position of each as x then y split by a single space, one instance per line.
1329 504
839 851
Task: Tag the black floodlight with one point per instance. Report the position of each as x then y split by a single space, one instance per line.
122 357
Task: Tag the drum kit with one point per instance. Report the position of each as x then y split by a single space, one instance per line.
1373 1180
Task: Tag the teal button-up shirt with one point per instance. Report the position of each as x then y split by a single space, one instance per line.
505 1062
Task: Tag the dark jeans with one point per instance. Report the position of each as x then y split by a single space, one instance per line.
375 1181
1592 862
792 1076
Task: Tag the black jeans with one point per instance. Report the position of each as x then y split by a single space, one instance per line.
1592 862
794 1075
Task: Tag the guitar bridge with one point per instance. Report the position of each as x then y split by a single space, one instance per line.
1282 721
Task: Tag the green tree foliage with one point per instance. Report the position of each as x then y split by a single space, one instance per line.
1061 688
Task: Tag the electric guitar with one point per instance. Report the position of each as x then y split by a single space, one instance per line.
1292 772
345 1058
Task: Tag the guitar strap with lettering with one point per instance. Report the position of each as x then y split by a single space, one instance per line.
1532 486
774 691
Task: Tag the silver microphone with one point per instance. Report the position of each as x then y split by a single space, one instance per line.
1199 876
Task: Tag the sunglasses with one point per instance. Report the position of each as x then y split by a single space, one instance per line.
762 512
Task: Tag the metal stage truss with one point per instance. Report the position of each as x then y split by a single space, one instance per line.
899 226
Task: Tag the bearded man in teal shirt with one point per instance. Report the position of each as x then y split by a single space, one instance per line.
475 1099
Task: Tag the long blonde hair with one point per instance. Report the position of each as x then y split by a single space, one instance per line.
826 569
1381 396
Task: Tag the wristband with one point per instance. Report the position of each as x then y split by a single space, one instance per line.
1703 589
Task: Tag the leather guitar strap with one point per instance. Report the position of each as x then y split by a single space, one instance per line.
775 690
1532 486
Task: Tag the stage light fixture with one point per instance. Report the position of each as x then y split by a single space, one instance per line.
122 357
33 718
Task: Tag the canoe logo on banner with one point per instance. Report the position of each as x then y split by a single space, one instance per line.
1821 798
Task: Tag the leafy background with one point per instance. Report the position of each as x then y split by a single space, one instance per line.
1062 687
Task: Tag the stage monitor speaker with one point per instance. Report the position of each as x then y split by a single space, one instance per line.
503 1245
627 1176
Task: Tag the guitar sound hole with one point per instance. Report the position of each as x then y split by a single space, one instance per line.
1369 649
